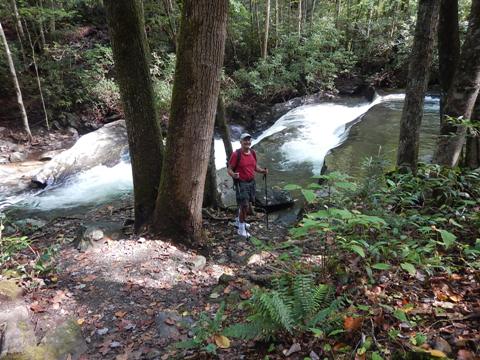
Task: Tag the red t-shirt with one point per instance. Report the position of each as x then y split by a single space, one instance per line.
246 167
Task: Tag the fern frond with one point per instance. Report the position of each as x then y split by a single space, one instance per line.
278 310
322 296
245 331
303 290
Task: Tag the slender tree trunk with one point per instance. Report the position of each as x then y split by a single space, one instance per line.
211 196
472 151
130 53
171 22
222 127
16 84
40 25
299 18
313 13
196 87
418 75
52 18
39 84
462 95
337 12
394 19
448 47
257 23
17 19
369 21
267 27
277 22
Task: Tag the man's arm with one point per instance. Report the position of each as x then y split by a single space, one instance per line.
261 170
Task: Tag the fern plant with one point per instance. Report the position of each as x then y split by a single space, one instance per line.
294 305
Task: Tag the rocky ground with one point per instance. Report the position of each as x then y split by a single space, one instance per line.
131 296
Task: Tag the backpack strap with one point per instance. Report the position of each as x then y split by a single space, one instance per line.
239 155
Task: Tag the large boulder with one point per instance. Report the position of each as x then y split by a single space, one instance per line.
101 147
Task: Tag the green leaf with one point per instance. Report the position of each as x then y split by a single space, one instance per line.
381 266
447 237
314 186
358 249
400 315
291 187
309 195
376 356
408 268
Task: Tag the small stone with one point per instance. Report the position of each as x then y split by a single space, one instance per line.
198 262
141 240
313 355
442 345
102 331
115 344
293 349
224 279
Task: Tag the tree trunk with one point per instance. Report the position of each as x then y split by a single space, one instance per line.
52 18
17 19
337 12
201 46
171 21
313 13
277 22
462 94
448 46
299 18
16 84
39 84
211 196
221 126
40 25
472 151
130 53
267 27
418 74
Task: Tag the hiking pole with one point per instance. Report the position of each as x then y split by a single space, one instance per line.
266 198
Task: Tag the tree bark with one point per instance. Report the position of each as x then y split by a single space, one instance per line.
222 127
267 27
211 196
418 75
201 46
448 46
472 151
26 127
130 53
299 18
40 25
17 19
462 94
39 84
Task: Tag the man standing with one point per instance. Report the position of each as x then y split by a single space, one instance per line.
242 167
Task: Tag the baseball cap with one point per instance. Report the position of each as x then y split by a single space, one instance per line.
245 135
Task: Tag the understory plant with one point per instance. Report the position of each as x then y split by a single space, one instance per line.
293 306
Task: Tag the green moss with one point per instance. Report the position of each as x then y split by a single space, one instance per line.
9 290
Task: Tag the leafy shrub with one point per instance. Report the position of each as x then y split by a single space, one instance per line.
294 305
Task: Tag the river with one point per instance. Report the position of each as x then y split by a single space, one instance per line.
294 148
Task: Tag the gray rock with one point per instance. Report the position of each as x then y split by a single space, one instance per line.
167 321
18 334
198 262
29 226
224 279
17 157
65 341
442 345
101 147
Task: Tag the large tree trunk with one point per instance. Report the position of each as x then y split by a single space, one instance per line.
130 53
267 27
16 84
194 100
448 46
418 74
462 94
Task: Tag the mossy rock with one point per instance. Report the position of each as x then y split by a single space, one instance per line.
9 290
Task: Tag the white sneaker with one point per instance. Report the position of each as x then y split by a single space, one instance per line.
242 231
237 223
